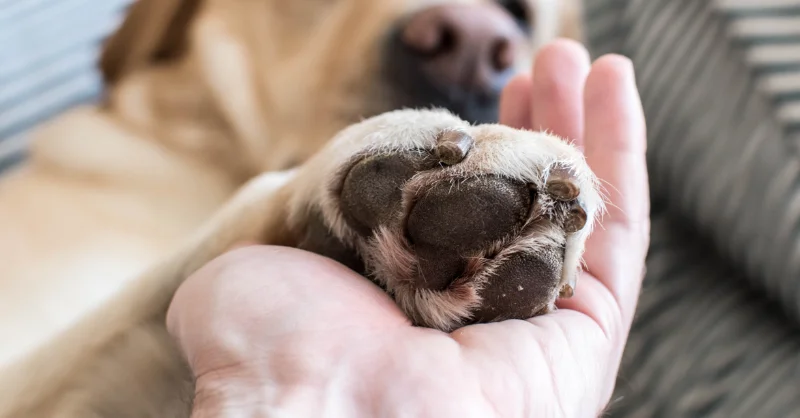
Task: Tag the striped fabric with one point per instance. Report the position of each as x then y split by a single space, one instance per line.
716 332
768 31
703 345
48 53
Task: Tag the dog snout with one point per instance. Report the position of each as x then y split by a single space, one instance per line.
456 56
470 47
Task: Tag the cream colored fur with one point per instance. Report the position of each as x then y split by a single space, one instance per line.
112 190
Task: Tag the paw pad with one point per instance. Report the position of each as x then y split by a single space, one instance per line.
455 241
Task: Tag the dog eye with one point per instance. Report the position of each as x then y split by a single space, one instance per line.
518 9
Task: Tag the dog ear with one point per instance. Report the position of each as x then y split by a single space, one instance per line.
153 30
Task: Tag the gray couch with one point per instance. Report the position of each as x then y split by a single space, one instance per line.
716 334
717 330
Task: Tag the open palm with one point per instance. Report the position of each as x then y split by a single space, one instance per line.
283 332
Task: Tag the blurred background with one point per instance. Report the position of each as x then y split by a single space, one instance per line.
717 331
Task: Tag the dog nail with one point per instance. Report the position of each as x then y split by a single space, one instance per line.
576 218
453 146
561 185
566 292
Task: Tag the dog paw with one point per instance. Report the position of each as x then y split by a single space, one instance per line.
460 224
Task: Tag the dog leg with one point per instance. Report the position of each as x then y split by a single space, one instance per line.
460 224
79 381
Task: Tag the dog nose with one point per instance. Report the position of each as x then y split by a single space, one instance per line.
468 47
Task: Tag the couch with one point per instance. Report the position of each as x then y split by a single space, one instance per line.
716 332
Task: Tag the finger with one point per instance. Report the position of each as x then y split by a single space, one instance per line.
515 102
559 75
615 150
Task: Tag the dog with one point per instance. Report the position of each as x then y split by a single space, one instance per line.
120 201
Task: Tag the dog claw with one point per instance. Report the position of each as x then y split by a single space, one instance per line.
562 186
576 218
566 292
453 147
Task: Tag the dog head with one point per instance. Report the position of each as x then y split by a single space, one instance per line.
267 82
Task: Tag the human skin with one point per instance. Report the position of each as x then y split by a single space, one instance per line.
273 331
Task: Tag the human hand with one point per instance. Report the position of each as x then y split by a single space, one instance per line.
281 332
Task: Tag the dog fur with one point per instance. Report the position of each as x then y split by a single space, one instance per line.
118 202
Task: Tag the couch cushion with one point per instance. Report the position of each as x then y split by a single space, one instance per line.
48 51
708 339
702 345
768 32
721 147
